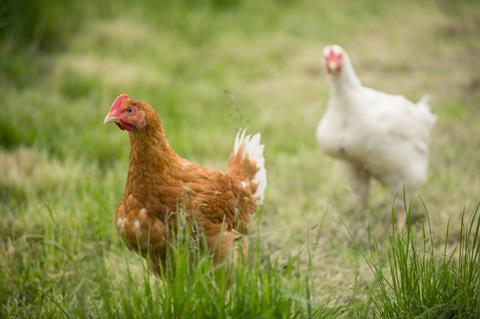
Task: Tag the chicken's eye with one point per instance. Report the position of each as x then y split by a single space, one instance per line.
129 110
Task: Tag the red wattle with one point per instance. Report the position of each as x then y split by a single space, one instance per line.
124 126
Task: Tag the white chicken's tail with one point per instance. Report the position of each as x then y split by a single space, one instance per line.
247 164
426 114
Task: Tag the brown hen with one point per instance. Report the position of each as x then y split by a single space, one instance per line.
160 185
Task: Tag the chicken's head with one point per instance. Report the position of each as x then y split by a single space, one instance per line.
333 59
127 113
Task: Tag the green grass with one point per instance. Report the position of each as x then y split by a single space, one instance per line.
260 287
210 68
423 280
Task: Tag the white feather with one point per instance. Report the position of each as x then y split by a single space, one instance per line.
385 135
253 150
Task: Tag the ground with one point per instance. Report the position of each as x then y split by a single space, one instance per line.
210 70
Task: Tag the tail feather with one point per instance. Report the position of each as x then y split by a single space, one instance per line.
248 164
424 107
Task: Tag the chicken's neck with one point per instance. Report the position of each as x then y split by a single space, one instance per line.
151 157
345 81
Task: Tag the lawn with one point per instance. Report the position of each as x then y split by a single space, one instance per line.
209 68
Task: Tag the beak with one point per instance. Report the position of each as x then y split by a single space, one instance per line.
110 118
332 65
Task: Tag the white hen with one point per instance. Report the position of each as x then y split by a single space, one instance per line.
376 134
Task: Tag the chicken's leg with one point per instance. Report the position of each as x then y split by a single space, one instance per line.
228 242
157 264
401 210
400 214
359 181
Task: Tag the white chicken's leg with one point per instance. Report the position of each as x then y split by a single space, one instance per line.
401 209
359 181
400 212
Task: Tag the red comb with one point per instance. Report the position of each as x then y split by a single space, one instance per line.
119 100
331 54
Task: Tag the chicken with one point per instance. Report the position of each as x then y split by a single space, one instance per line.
375 134
161 185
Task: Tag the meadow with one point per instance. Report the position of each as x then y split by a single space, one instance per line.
209 68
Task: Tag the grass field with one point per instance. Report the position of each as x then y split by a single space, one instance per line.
210 68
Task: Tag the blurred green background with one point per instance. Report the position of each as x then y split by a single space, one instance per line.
210 67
